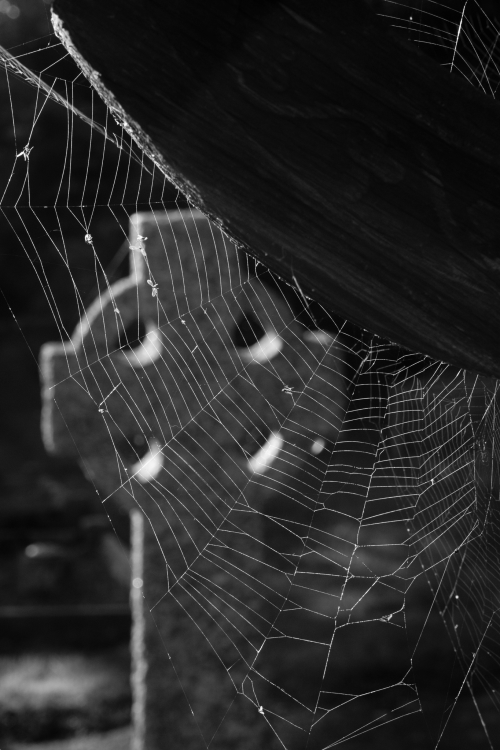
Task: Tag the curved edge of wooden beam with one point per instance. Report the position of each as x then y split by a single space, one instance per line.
380 200
117 111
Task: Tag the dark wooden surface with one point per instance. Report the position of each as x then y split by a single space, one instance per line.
338 155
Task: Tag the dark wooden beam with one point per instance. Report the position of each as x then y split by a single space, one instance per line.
336 154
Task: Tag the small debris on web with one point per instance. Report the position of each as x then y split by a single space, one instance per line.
101 410
25 153
154 287
139 247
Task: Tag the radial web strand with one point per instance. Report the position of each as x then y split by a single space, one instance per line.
316 510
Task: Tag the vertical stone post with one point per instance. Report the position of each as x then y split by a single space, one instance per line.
139 664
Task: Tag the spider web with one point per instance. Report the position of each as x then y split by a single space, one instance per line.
317 507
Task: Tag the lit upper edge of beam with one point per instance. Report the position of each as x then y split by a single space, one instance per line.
262 460
150 465
318 337
264 349
148 350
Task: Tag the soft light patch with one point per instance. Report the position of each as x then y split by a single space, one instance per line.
264 349
318 337
262 460
318 446
149 465
148 350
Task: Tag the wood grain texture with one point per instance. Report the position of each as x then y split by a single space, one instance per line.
336 154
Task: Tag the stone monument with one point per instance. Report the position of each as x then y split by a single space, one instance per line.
192 396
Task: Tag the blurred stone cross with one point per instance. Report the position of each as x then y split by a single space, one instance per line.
192 396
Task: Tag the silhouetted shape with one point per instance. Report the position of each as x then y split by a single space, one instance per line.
338 155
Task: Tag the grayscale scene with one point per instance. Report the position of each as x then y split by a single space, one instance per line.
249 341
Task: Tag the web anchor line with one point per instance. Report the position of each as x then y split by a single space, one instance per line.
314 510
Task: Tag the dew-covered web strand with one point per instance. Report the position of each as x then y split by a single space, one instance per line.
46 285
462 36
67 161
207 404
64 334
216 394
425 414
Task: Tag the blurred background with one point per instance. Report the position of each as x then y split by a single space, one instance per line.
64 569
64 606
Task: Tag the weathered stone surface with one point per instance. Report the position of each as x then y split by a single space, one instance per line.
267 585
175 428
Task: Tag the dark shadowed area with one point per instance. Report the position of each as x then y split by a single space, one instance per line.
66 196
